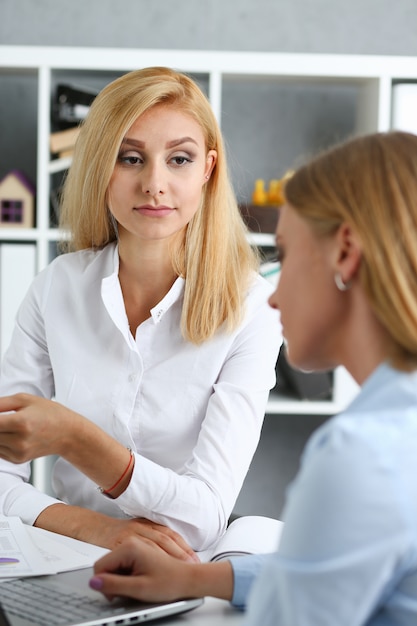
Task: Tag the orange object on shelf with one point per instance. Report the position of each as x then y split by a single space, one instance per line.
275 195
259 195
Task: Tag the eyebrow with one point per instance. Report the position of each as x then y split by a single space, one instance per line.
170 144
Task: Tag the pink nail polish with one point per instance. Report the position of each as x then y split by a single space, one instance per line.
96 583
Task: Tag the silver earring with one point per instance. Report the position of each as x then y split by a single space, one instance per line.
206 176
340 284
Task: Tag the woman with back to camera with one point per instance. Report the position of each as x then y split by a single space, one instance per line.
153 335
346 239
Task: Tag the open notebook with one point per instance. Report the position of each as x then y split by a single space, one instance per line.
250 534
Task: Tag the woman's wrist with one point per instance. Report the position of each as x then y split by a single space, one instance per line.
208 579
122 482
84 444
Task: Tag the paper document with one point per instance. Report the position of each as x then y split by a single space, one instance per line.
29 551
19 556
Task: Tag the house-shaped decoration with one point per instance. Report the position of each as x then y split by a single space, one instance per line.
17 201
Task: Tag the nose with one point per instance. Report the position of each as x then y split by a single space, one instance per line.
152 192
152 180
273 299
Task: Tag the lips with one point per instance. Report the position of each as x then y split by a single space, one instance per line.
154 211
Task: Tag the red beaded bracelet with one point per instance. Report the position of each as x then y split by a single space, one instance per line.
107 492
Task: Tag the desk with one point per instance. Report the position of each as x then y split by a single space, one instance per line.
212 612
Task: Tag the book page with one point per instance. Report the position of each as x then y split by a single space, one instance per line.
250 534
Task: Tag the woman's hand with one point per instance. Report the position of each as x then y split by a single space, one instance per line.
152 534
140 570
108 532
31 427
146 572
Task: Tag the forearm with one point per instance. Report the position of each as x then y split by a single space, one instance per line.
96 454
76 522
32 427
209 579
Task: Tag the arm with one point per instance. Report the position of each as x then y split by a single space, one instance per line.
28 430
227 389
149 574
18 497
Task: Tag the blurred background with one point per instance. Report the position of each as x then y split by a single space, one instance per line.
324 113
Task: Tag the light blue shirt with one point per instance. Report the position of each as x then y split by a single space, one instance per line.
348 551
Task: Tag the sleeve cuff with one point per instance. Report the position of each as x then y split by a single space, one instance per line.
245 572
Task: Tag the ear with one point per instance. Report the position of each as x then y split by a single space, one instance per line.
348 253
210 163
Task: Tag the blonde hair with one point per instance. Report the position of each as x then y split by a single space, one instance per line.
371 183
212 253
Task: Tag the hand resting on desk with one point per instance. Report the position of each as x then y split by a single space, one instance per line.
108 532
146 572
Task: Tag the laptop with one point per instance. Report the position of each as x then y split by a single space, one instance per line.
65 599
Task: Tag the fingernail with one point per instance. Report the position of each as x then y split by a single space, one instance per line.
96 583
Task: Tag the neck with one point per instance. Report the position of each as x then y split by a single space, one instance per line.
366 345
146 275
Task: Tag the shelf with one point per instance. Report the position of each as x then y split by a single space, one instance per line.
281 405
344 390
18 234
59 165
288 105
261 239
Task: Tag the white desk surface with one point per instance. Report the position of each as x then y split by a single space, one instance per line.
212 612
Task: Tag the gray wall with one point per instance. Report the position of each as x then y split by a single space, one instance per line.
357 26
317 26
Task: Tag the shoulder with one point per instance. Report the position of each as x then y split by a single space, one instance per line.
377 432
76 264
259 316
72 272
366 452
382 416
259 291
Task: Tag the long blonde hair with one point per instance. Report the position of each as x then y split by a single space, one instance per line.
213 255
370 182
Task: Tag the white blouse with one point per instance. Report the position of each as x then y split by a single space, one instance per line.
192 414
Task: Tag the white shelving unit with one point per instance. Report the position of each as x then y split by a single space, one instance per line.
371 77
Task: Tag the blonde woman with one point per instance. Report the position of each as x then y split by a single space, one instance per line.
348 552
152 334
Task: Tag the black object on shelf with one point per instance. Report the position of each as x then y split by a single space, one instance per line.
303 385
71 104
260 219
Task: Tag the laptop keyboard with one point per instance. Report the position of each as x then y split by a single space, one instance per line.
40 605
